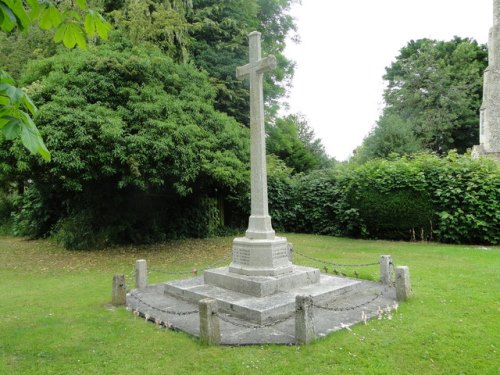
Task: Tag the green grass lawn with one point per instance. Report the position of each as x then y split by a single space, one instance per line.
55 317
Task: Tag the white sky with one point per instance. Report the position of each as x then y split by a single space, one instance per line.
345 47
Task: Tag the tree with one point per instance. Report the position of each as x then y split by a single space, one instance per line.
437 87
16 108
292 140
220 44
125 124
392 134
161 23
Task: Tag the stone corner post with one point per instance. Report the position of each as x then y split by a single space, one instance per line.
209 322
119 290
304 324
141 274
403 287
385 269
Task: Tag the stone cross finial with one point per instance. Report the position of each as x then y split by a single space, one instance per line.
259 226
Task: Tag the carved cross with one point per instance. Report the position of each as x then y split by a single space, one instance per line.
259 226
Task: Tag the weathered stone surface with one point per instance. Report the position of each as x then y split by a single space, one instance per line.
209 322
489 128
141 274
283 332
261 257
259 226
304 323
385 269
403 286
259 253
119 290
259 309
261 286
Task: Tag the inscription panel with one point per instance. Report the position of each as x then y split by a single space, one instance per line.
280 253
241 255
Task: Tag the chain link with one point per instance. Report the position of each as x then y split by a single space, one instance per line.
179 313
225 318
348 308
336 264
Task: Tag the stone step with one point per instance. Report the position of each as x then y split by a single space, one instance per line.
262 310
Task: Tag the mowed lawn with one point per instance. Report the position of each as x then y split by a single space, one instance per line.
56 318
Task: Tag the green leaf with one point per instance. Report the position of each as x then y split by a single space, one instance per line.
45 21
59 35
55 16
8 18
12 128
4 100
31 138
102 27
50 18
80 38
69 39
82 4
90 23
22 19
6 78
28 104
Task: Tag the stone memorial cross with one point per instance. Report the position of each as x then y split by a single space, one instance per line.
259 226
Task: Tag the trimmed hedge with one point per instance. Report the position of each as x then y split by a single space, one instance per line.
452 199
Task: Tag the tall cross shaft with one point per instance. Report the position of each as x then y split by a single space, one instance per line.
259 226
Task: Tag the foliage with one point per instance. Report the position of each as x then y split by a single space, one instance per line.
465 197
124 122
161 23
16 108
292 140
392 200
452 199
15 119
391 135
437 87
220 44
281 191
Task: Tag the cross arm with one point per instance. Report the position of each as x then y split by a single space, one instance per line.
267 63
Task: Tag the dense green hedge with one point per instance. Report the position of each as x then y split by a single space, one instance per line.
451 199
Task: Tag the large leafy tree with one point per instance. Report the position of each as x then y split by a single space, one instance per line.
436 86
122 121
220 44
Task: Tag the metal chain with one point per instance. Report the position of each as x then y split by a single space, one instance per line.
180 313
336 264
348 308
194 270
250 325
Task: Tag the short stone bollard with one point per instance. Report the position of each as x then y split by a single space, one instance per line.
209 322
119 290
403 287
385 269
141 274
304 324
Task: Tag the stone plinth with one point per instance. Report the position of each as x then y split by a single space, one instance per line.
261 286
266 257
259 310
